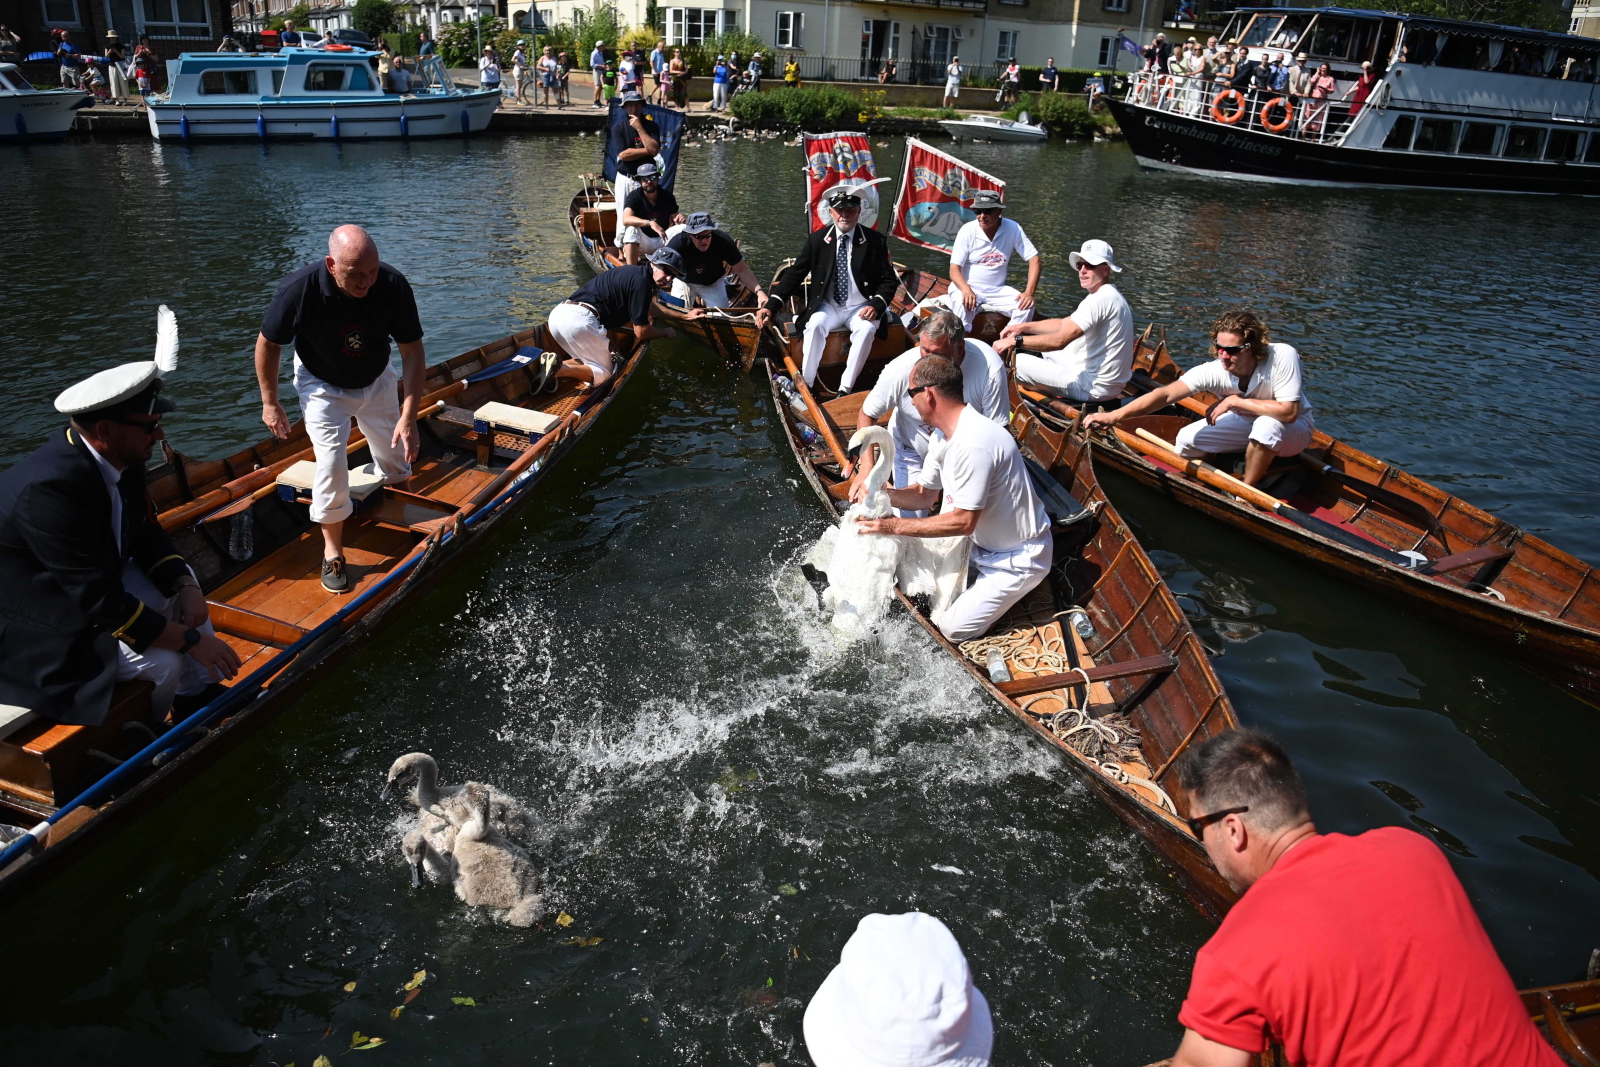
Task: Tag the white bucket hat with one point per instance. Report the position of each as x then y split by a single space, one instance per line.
1094 253
901 996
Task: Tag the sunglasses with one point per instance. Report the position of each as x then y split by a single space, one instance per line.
916 389
1230 350
150 428
1197 827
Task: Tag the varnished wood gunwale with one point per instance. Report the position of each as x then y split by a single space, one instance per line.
1187 702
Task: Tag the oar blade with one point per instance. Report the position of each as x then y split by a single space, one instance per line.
1335 532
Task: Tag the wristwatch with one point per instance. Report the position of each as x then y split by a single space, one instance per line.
191 637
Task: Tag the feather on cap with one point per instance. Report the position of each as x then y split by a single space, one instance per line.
135 387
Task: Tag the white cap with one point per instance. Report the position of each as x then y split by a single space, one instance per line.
127 381
901 996
1094 253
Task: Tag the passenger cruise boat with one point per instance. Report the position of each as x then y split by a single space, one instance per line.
330 93
27 113
1457 105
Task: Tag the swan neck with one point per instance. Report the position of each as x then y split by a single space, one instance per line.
427 782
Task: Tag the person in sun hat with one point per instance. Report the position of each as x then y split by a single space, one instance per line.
901 996
597 70
1089 354
647 214
620 298
95 591
709 256
979 259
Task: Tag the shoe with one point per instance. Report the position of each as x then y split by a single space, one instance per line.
335 579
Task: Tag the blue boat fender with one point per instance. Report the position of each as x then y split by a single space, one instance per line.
405 126
261 126
466 124
183 126
334 125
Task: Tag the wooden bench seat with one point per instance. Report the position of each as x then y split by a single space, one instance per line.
49 763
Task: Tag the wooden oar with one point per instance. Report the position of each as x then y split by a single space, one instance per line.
823 427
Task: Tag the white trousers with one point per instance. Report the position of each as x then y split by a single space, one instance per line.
170 671
830 317
621 188
646 239
1057 372
1003 579
328 410
714 295
580 335
1003 300
1234 430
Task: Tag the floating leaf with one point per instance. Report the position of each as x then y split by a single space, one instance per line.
583 942
465 1002
787 890
371 1042
769 983
349 987
322 1061
564 919
356 1038
411 996
394 1013
416 980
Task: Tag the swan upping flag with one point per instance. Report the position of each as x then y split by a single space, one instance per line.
935 196
832 158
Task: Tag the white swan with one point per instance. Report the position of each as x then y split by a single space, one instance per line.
491 871
860 568
506 815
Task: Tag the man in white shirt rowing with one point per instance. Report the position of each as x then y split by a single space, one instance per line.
1089 354
979 260
987 495
1263 410
983 378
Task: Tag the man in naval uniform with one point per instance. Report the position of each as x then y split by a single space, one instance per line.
852 282
94 591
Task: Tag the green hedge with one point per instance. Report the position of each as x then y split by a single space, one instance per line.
816 109
1063 114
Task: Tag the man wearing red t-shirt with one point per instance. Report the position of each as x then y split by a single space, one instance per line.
1346 951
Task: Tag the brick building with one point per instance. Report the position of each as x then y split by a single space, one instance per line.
173 26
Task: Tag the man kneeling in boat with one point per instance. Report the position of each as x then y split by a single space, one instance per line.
649 211
987 496
622 296
1263 409
1344 950
1089 354
983 388
709 256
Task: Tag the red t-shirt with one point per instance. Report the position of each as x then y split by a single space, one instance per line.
1359 952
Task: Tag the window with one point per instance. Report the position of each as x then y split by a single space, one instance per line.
1115 5
1437 135
1007 49
1480 139
331 78
1261 30
1564 145
1525 142
176 18
277 82
936 45
692 25
791 29
1108 48
228 82
60 13
1400 133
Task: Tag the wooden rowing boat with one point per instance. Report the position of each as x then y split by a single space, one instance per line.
249 538
1568 1016
1144 660
917 286
1477 572
731 332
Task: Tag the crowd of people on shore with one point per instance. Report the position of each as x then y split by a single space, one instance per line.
111 77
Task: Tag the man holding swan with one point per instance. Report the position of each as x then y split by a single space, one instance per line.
987 496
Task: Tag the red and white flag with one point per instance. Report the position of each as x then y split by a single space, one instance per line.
832 158
936 196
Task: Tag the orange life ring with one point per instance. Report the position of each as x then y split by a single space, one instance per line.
1238 112
1288 114
337 48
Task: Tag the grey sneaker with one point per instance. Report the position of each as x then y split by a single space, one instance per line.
335 579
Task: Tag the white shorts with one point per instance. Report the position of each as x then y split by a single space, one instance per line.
1234 430
1059 373
580 335
1004 578
646 239
952 89
328 410
170 671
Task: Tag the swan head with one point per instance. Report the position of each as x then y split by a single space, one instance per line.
410 765
865 438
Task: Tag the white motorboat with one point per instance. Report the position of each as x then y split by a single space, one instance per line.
326 94
28 114
989 128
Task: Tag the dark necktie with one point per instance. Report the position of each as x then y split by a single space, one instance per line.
841 271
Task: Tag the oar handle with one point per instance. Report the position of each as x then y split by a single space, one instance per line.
817 413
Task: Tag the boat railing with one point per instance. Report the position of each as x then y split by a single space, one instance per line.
1304 119
435 78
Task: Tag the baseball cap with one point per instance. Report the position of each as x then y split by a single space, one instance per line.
646 170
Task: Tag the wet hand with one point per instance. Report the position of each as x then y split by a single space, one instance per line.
276 418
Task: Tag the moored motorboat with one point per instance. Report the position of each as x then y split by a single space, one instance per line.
322 94
1368 520
27 113
1150 680
992 128
243 525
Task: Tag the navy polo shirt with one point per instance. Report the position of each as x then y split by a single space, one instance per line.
704 268
661 212
624 137
622 296
342 340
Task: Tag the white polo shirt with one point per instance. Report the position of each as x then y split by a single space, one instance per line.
981 469
983 386
1107 343
984 260
1276 378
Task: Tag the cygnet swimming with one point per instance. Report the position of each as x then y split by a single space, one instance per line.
491 871
860 568
429 848
509 818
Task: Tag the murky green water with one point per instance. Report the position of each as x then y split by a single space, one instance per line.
629 655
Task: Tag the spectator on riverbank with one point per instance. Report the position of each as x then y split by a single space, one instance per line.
563 79
1344 950
288 37
952 82
400 78
678 72
597 70
791 73
658 71
116 68
721 74
1049 77
229 44
68 56
550 76
488 69
887 73
902 993
520 70
424 44
10 45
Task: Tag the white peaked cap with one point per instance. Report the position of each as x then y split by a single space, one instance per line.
113 386
902 996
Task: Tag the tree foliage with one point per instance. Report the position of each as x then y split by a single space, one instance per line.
300 15
374 17
458 42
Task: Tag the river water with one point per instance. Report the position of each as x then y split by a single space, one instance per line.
726 794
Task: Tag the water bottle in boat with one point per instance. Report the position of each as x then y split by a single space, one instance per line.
998 671
807 435
1082 623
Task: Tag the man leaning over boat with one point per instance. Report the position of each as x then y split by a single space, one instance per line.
980 258
622 297
983 378
709 256
1263 410
95 591
987 496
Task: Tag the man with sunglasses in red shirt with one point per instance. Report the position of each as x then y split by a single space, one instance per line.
1263 411
1345 951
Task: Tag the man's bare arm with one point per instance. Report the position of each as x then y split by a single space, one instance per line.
269 358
